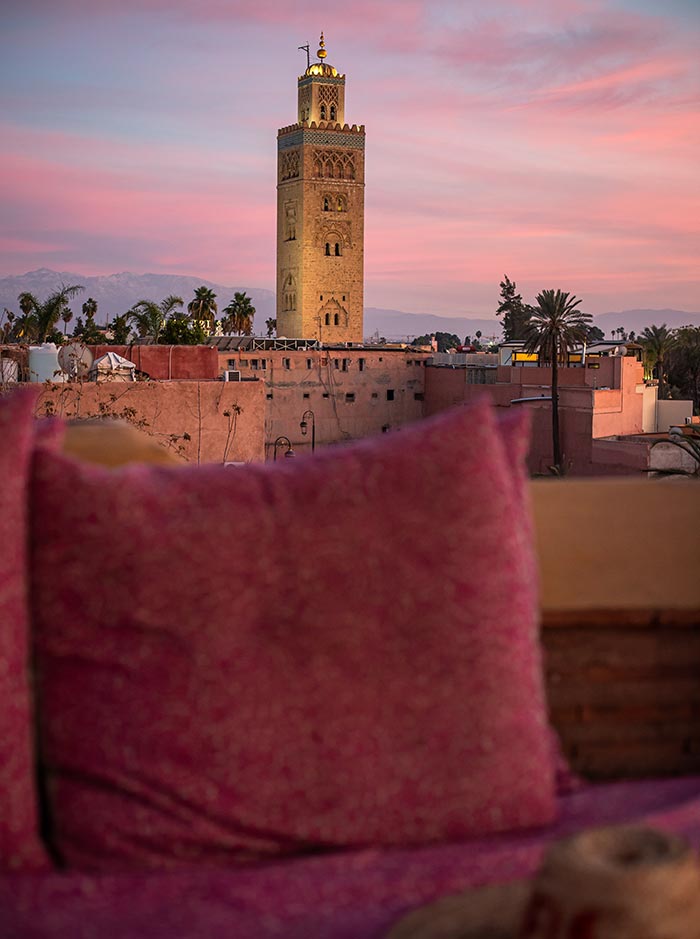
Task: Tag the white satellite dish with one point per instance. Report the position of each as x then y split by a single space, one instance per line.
75 360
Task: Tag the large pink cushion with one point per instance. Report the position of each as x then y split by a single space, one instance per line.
20 848
240 664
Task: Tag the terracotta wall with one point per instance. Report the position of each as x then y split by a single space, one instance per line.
585 410
168 362
169 410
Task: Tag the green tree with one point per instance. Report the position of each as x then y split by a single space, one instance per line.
555 326
657 342
120 329
203 307
150 317
516 314
444 341
683 363
594 334
239 315
39 319
180 330
271 326
88 331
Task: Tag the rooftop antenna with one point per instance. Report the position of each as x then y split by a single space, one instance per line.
308 57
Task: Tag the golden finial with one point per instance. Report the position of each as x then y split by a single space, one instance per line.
322 51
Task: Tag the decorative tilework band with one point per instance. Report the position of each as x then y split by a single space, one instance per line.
320 80
348 141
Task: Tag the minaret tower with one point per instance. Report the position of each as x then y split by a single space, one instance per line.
320 213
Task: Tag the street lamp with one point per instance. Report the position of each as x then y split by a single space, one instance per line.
289 453
304 427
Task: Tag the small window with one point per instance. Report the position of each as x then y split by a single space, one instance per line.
361 364
269 396
337 250
409 361
336 320
306 394
326 204
309 363
381 358
326 395
231 363
328 249
263 363
336 364
332 112
390 394
419 396
323 112
350 397
321 297
328 319
374 394
345 364
286 363
343 298
254 364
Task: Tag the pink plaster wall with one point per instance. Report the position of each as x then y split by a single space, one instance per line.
166 362
167 410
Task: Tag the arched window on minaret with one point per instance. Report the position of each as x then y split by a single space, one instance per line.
337 249
328 249
326 204
323 112
328 319
333 112
336 320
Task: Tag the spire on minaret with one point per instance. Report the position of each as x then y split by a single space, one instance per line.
321 54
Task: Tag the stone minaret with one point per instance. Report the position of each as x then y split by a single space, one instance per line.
320 213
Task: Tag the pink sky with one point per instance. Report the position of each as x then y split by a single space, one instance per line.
556 141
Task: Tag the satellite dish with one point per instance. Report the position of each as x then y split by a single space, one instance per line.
75 360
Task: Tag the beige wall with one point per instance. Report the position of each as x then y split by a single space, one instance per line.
169 409
669 413
324 388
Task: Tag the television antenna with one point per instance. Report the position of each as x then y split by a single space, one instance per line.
308 55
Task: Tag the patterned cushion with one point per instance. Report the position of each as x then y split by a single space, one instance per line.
20 848
334 652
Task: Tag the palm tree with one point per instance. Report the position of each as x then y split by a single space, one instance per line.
40 319
90 308
657 342
271 325
203 308
67 316
239 315
150 317
555 326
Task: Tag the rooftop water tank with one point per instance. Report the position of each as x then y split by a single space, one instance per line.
43 363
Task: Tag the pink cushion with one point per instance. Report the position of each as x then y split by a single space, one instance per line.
20 848
241 664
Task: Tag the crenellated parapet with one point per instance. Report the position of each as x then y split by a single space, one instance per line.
322 125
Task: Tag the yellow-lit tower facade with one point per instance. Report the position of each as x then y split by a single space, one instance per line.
320 213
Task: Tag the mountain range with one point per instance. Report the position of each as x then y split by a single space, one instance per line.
117 293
